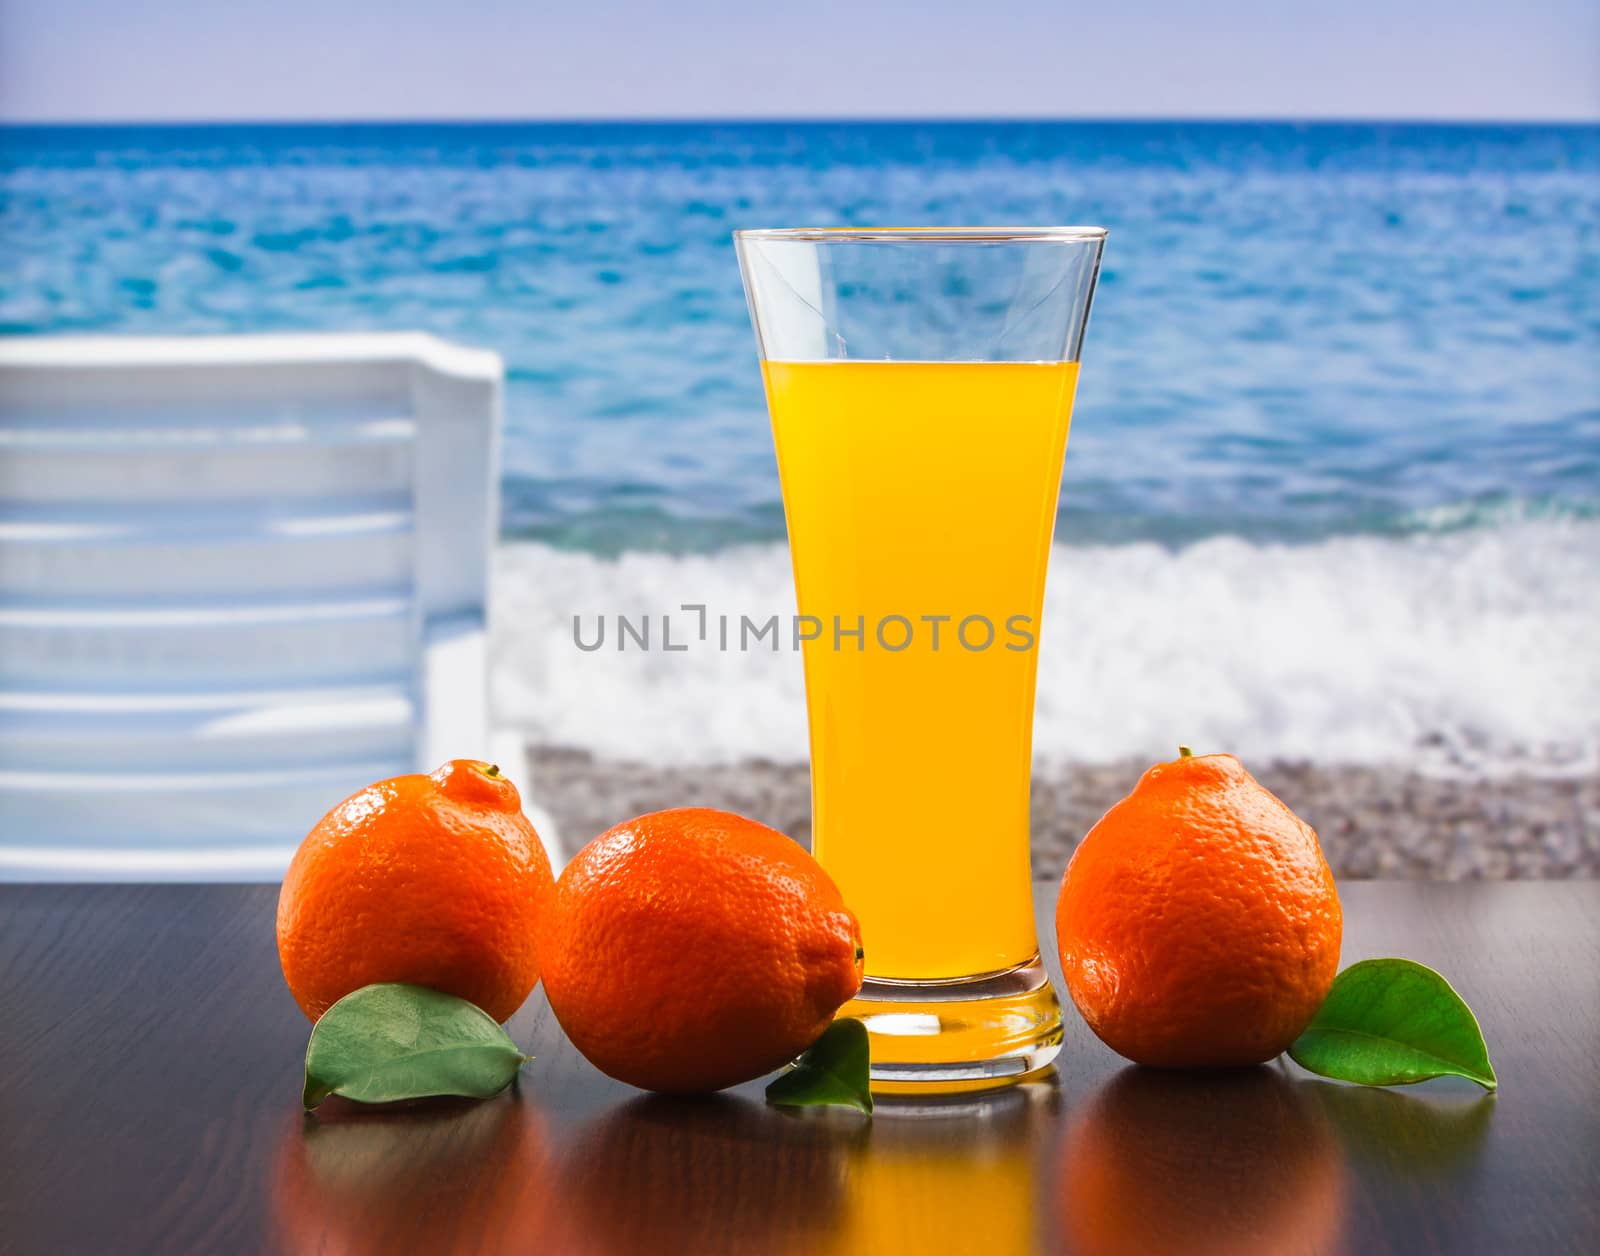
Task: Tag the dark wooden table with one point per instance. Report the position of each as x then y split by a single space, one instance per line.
149 1101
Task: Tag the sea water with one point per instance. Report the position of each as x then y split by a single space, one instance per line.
1333 488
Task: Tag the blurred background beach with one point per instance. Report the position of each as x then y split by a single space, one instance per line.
1332 496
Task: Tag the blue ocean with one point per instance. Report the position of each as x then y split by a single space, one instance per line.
1339 414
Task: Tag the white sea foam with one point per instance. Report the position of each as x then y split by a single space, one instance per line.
1476 650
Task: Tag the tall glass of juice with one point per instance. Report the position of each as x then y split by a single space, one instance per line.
920 383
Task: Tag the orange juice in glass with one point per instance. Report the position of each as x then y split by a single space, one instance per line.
920 384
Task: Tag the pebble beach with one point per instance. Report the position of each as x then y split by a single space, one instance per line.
1373 822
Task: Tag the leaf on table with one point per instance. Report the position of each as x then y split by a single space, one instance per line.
391 1041
834 1070
1391 1022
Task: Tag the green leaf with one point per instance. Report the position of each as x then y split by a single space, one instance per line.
834 1070
390 1041
1390 1022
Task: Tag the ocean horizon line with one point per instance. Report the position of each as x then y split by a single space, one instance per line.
688 120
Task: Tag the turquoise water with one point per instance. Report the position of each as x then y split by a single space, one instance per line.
1301 331
1333 488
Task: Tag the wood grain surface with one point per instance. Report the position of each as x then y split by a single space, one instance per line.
150 1075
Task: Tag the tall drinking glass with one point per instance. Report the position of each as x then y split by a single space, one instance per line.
920 383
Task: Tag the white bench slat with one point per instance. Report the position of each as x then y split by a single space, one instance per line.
170 811
48 465
254 731
191 647
138 376
149 553
209 862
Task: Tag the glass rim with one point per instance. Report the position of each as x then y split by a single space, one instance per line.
925 235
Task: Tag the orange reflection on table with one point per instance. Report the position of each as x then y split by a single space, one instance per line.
443 1176
1237 1163
711 1174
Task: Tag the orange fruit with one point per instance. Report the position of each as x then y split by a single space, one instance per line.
690 950
1198 921
436 880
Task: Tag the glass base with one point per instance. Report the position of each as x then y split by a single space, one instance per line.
975 1033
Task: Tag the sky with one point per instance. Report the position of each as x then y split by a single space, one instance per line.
197 60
